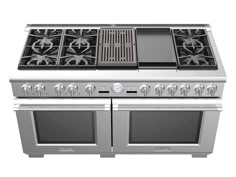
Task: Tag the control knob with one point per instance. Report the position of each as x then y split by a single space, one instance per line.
211 89
159 89
59 88
72 89
184 89
199 89
26 88
39 88
172 89
144 89
90 88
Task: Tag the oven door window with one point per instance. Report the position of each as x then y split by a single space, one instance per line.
167 127
65 127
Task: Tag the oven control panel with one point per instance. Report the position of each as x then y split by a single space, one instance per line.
117 89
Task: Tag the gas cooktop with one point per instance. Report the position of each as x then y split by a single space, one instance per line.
117 47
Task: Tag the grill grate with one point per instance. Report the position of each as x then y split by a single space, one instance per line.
117 48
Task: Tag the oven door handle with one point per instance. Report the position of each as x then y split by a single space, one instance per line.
167 104
62 104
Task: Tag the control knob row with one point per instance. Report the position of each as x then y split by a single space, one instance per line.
211 89
27 88
184 89
73 88
172 89
118 88
59 89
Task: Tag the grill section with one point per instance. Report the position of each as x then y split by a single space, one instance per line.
117 48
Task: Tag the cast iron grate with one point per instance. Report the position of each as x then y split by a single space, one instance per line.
117 48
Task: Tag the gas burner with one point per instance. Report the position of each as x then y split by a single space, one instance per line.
79 49
44 39
41 60
77 38
48 32
190 39
187 32
42 49
195 60
201 60
193 50
79 59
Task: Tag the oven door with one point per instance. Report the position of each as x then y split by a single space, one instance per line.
49 126
165 125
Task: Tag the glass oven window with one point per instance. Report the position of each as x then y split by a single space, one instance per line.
167 127
65 127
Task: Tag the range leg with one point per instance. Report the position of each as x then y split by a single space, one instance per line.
36 155
199 155
107 155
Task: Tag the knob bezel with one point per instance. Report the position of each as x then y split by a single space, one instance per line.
90 89
72 89
184 89
59 88
159 89
39 88
145 89
26 88
211 89
172 89
199 89
117 88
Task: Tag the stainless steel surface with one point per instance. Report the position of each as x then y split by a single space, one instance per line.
121 123
62 104
115 89
125 104
25 117
96 26
113 94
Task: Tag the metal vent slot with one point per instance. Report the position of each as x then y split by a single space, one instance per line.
117 48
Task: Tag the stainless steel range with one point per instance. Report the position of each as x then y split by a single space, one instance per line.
118 89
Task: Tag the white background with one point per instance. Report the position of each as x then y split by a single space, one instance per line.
14 17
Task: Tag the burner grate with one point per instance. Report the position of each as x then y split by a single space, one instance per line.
117 48
41 50
79 49
193 49
60 49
